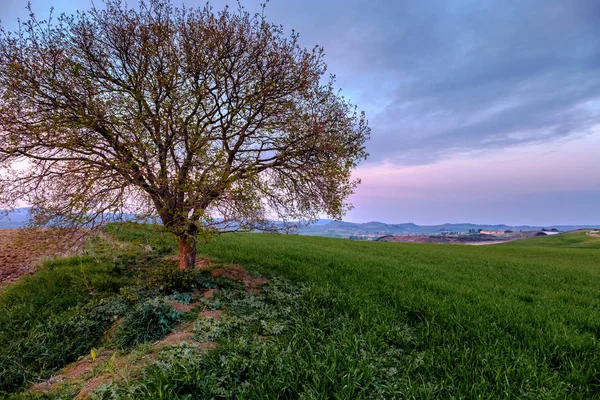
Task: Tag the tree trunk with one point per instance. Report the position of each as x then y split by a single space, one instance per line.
187 251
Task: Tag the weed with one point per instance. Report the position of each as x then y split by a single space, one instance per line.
146 321
167 278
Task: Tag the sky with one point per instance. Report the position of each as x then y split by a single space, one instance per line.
481 111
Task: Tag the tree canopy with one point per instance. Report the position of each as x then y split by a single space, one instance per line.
204 119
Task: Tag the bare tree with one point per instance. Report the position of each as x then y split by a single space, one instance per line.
205 119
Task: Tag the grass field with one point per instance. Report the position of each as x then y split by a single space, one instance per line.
499 321
343 319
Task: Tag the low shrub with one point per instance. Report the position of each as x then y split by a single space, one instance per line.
167 278
146 321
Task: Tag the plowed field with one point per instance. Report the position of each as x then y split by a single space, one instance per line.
21 248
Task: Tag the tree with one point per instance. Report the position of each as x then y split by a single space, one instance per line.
208 120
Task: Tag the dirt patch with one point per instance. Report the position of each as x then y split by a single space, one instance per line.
187 336
20 249
183 308
214 314
72 372
254 284
240 274
127 366
202 263
120 368
49 384
174 338
233 272
92 384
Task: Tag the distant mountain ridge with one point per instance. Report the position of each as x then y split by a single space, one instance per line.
376 228
18 218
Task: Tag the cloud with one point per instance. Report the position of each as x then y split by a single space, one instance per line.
439 78
443 77
512 75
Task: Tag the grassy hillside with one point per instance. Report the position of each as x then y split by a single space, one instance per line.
575 240
343 319
494 321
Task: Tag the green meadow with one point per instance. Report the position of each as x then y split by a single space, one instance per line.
338 319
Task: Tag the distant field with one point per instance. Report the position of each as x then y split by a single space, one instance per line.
380 320
574 240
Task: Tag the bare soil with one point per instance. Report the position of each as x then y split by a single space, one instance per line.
214 314
74 371
240 274
183 308
20 249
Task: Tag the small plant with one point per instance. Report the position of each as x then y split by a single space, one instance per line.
167 278
183 298
212 329
147 321
132 294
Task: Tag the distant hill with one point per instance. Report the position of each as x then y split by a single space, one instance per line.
376 229
341 229
14 219
577 239
19 217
